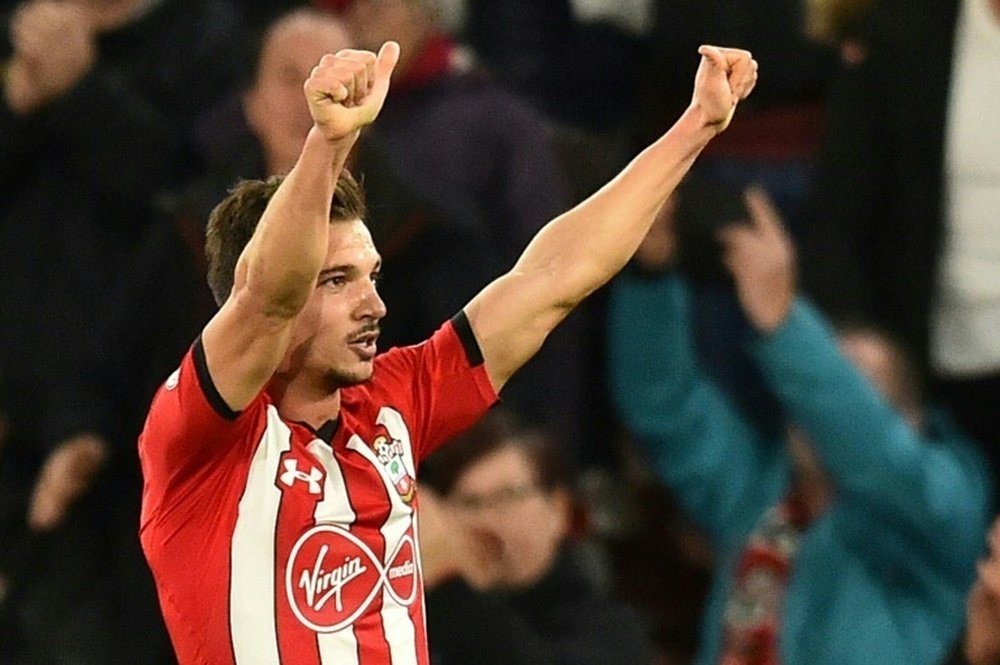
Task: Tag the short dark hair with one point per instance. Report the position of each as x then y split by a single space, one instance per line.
497 430
233 222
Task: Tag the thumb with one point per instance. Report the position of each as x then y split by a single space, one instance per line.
387 58
714 55
386 61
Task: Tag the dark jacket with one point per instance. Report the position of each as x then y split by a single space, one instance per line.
564 619
875 224
77 182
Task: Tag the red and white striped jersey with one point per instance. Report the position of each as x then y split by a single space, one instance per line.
274 543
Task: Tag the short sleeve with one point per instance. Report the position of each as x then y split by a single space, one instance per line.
189 433
444 380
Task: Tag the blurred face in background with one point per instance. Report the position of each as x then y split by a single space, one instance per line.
885 367
373 22
275 105
499 496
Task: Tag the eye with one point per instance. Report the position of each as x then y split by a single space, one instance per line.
376 277
335 281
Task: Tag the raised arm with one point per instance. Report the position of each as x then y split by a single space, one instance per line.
278 269
582 249
861 421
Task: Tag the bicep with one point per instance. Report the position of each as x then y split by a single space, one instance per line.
511 318
243 347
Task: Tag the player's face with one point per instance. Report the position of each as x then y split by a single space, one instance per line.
499 496
335 334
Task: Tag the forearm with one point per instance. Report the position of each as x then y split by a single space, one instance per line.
699 443
583 248
288 248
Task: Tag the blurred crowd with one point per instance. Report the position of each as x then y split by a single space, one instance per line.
773 439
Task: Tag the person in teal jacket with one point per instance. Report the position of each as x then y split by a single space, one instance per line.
849 536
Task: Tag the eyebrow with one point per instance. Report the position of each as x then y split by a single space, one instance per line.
349 269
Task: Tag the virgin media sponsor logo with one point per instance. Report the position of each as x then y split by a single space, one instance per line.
332 577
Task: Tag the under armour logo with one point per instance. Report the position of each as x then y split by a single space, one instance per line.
292 474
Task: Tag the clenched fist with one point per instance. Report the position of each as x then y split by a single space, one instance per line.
346 90
725 77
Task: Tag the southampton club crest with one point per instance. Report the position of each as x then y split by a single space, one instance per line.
389 453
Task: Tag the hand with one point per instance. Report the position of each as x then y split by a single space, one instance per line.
761 258
54 47
449 548
65 476
437 563
346 91
657 250
725 76
982 632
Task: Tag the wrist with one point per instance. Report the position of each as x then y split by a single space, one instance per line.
711 123
345 142
322 152
695 120
769 321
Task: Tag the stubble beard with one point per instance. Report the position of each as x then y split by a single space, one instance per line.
337 378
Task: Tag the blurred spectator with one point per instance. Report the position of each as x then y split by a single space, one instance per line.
486 156
507 582
980 645
97 101
904 230
847 535
438 262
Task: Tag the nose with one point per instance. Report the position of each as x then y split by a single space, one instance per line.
371 305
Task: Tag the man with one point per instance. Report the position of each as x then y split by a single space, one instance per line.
846 535
507 583
280 458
